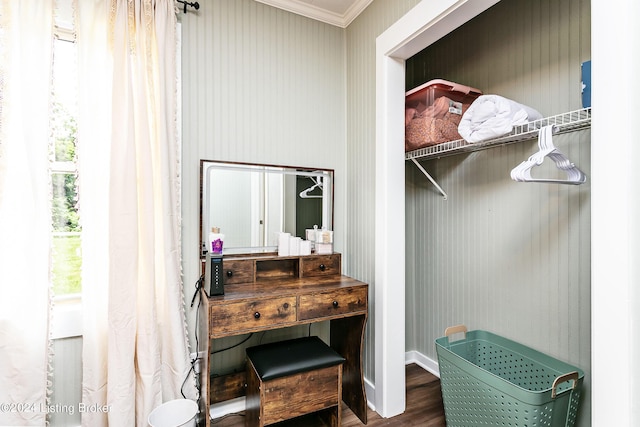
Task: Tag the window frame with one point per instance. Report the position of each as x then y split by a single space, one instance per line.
67 309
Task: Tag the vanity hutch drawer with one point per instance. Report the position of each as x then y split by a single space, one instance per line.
238 271
246 316
321 265
333 303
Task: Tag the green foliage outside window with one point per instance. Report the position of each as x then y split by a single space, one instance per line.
67 261
67 257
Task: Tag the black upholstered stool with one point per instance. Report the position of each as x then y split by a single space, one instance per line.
288 379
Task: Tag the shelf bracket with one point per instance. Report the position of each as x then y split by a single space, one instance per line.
433 181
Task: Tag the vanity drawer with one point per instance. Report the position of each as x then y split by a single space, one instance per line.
238 271
321 265
333 303
251 315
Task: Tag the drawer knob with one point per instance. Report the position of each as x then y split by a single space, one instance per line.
335 304
256 315
229 273
323 267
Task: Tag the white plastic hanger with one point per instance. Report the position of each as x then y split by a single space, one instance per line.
304 194
522 172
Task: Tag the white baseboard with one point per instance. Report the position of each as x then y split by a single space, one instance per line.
238 405
370 390
410 357
423 361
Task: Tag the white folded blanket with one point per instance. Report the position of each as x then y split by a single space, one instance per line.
491 116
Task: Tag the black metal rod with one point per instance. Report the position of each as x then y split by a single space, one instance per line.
194 5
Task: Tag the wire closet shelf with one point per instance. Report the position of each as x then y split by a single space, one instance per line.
565 122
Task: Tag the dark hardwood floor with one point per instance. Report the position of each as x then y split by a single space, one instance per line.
424 407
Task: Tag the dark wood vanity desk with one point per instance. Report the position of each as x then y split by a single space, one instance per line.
265 292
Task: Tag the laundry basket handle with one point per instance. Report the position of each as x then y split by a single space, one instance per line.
571 376
452 330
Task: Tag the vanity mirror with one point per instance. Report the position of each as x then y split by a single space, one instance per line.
252 203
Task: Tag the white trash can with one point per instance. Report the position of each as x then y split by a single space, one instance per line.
174 413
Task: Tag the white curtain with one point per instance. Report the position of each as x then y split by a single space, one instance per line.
25 217
135 351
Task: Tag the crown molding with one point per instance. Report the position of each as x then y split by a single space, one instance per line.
319 14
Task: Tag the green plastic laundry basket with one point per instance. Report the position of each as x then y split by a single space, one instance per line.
488 380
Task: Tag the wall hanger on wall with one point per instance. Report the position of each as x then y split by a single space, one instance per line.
522 172
194 5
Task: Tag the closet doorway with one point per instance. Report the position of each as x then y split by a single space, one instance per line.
423 25
615 203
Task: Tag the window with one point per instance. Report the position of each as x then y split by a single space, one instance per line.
66 255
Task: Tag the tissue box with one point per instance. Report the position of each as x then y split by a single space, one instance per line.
324 248
433 112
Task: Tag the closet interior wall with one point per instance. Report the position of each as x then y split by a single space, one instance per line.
509 257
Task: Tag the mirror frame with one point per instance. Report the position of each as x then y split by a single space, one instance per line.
205 164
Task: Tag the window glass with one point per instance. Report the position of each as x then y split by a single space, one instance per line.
65 218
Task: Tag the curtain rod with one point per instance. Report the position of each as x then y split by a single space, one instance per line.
194 5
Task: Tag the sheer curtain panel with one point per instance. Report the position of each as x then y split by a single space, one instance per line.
135 351
25 218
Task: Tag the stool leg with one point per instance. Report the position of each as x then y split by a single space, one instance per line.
253 408
339 407
333 416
